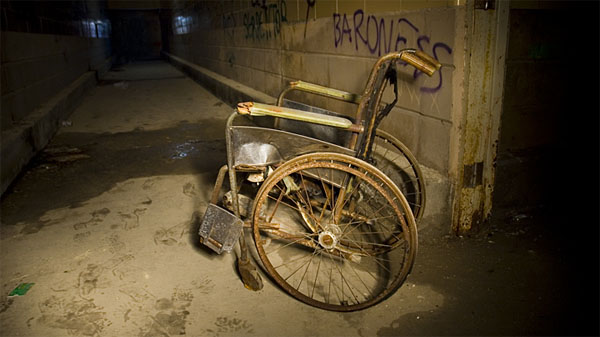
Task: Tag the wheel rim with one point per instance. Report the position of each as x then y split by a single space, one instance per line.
344 249
395 160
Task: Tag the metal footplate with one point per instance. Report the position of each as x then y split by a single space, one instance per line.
220 230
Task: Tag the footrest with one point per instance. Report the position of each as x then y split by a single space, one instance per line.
219 230
259 109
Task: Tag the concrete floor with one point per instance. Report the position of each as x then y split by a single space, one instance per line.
104 223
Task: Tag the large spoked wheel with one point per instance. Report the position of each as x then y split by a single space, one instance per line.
334 231
397 162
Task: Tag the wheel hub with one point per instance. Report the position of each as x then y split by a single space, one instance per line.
328 238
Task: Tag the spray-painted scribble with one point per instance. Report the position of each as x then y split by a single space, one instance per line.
310 4
383 35
436 46
259 3
256 21
229 24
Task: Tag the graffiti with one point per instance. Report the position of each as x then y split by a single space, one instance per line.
255 21
310 4
259 3
434 48
383 35
229 24
231 59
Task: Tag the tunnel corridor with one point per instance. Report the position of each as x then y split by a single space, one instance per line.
112 143
104 222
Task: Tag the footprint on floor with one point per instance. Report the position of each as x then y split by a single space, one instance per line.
97 217
189 189
78 317
115 245
171 315
80 237
172 236
149 183
230 326
88 279
204 286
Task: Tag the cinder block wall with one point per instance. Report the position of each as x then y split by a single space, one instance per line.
265 44
51 53
35 67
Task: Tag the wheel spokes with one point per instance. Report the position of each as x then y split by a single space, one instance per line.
339 241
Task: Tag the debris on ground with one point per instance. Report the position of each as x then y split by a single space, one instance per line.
121 85
21 289
63 154
520 217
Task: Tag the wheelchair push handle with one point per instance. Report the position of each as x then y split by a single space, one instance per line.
421 61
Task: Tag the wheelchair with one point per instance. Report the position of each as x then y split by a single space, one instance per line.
330 201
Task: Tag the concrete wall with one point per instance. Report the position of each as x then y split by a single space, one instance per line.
44 48
47 64
338 51
265 44
36 67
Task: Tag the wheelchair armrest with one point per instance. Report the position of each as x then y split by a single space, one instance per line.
259 109
323 91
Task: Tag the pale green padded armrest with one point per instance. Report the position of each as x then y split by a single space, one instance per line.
259 109
325 91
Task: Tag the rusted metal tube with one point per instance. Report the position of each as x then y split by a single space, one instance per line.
218 184
366 96
419 63
356 128
419 60
243 108
283 93
280 102
426 57
233 182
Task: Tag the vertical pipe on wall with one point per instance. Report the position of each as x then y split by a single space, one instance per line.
479 121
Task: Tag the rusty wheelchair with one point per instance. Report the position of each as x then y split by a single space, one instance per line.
330 201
